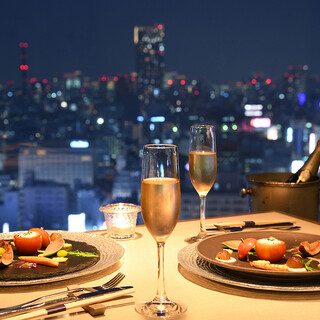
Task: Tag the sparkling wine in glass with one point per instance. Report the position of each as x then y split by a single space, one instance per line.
160 208
202 166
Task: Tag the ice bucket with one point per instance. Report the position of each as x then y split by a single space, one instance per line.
269 191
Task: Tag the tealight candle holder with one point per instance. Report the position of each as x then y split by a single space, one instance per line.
121 219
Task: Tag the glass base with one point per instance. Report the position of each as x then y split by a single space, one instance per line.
156 309
197 238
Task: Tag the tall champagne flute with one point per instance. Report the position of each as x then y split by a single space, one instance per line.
160 208
202 167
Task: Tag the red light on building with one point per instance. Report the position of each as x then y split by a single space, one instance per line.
44 81
170 82
133 79
33 80
24 67
183 82
253 81
268 81
196 92
82 90
103 79
23 45
160 26
115 79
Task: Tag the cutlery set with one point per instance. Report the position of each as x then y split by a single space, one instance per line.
241 225
93 295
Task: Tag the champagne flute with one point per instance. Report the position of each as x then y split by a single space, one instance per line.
202 167
160 208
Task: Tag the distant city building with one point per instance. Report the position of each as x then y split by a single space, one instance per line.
9 210
73 167
44 205
126 185
150 48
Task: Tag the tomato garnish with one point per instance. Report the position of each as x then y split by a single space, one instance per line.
245 246
28 242
44 234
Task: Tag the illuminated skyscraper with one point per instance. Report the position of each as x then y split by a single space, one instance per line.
149 42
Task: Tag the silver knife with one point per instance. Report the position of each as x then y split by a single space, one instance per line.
100 291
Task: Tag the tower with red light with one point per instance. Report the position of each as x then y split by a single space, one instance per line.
24 66
150 48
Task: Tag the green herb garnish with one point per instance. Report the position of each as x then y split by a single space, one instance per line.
307 265
78 253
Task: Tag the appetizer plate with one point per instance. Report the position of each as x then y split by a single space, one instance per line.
208 248
190 261
109 252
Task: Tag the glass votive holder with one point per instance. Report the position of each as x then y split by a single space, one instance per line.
121 219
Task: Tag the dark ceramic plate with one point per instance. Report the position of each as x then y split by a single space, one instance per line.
208 248
109 252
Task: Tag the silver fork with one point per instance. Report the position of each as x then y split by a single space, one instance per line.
110 284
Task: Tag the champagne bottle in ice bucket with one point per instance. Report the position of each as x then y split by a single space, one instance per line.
309 170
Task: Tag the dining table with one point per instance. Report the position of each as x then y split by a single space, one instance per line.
206 298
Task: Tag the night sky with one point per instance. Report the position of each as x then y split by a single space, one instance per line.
219 40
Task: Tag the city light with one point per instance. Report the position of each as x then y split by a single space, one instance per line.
289 135
253 110
273 133
296 165
77 222
140 118
63 104
302 98
312 142
23 45
100 121
79 144
260 122
158 119
24 67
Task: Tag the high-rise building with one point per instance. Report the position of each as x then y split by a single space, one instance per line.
72 167
150 48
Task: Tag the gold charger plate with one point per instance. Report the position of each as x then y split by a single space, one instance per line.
109 252
208 248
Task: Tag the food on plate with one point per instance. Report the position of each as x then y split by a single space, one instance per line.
28 242
28 245
295 262
6 257
267 265
232 244
44 234
245 247
224 254
310 249
270 254
62 253
40 260
270 249
54 246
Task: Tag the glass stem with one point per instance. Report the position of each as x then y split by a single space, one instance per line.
161 290
202 214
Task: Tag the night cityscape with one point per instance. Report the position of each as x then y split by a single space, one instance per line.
72 141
